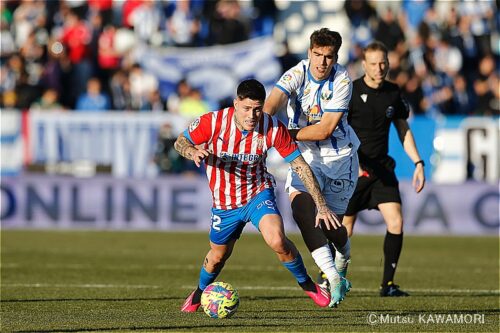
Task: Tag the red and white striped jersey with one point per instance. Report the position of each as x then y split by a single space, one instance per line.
236 167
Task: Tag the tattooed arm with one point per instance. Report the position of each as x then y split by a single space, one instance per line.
187 150
302 169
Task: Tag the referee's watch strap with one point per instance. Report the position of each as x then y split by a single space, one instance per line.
420 162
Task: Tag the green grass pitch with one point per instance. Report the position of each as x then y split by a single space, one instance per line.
72 281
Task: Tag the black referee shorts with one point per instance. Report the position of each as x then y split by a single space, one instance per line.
372 191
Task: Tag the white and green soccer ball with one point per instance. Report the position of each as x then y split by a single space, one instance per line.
220 300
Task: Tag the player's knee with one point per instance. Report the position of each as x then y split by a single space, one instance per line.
279 244
216 259
303 206
348 228
395 225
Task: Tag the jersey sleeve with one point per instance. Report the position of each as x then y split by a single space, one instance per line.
292 79
342 91
200 130
284 143
402 108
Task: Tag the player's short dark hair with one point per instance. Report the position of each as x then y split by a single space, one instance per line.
252 89
375 46
325 37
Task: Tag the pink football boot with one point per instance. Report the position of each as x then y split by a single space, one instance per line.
320 297
188 305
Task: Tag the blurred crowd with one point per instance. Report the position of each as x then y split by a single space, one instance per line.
443 54
74 54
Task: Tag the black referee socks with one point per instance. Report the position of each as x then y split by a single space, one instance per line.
393 244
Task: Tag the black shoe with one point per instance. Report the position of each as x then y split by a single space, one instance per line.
322 281
392 290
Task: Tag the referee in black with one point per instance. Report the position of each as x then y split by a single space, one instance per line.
375 104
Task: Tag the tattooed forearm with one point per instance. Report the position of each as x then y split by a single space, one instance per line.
184 147
302 169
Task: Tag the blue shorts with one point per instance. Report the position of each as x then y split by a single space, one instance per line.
228 224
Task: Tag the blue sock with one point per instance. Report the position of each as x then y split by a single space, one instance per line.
297 268
206 278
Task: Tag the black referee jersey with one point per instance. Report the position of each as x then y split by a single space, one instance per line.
371 112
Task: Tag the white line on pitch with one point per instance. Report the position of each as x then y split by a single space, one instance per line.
439 291
257 268
48 285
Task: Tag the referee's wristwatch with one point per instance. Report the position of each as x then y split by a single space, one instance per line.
420 162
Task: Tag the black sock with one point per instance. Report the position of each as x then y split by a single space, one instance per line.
308 285
392 249
304 214
338 237
197 296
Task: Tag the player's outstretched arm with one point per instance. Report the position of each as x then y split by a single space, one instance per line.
276 100
322 130
410 147
187 150
307 177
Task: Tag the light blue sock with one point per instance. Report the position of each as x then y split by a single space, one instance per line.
297 268
206 278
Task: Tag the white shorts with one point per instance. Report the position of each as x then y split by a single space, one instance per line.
337 181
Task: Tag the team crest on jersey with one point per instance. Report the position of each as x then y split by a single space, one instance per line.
194 124
260 143
389 112
326 95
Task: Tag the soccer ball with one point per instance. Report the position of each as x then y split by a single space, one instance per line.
220 300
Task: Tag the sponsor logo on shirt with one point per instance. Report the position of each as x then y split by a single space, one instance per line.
228 157
364 97
314 113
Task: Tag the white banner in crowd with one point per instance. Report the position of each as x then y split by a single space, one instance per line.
125 141
181 203
216 70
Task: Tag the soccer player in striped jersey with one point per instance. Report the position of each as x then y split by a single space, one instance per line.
318 91
233 143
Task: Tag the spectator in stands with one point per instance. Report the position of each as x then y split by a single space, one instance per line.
182 25
7 44
286 58
26 92
486 87
389 31
154 102
142 84
146 19
226 24
76 37
120 91
463 102
193 105
27 17
107 58
166 157
48 101
102 7
94 99
183 90
8 100
265 12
